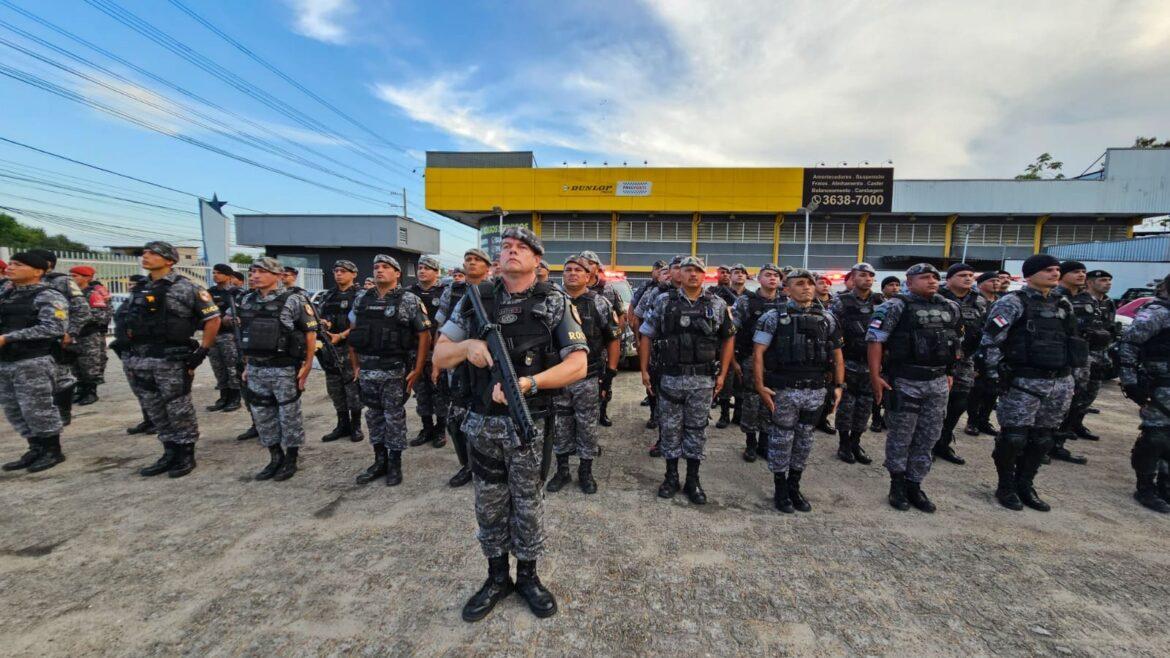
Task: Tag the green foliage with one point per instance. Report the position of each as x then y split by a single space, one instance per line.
1150 143
18 236
1044 168
241 258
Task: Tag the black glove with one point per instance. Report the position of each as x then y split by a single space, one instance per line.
1136 392
607 377
196 358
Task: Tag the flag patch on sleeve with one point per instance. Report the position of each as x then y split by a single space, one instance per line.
999 321
876 324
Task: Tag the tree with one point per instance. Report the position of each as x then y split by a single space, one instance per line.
1150 143
1040 169
18 236
240 258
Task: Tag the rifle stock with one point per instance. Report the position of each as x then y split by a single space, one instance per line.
502 367
330 350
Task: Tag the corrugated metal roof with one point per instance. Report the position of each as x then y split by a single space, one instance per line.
1155 249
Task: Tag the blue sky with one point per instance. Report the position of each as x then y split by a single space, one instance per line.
942 89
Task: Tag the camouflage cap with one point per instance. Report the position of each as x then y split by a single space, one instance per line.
458 269
542 265
739 267
478 253
591 256
923 268
723 268
693 261
525 235
164 249
863 267
389 260
801 273
659 265
578 260
676 261
771 267
267 264
289 269
431 262
347 265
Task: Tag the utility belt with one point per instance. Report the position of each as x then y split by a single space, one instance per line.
539 407
1040 373
91 329
22 350
369 362
165 351
284 361
701 369
779 382
919 373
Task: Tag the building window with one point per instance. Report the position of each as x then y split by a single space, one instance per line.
1070 233
402 236
655 231
820 232
905 233
1008 235
735 231
563 229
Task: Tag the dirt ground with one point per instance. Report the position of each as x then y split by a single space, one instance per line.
97 560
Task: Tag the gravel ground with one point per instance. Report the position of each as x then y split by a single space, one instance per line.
97 560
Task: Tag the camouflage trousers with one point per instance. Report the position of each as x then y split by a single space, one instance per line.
752 418
431 398
141 405
508 488
384 396
915 419
1153 417
90 367
1035 403
222 357
963 376
26 393
856 400
790 432
1085 390
164 391
684 402
65 377
346 398
275 404
577 412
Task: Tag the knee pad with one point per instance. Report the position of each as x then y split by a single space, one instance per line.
489 469
1013 438
1041 438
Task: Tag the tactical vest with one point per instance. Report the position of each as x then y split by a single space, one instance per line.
530 345
1091 321
263 338
150 322
757 306
856 314
459 380
925 342
586 304
335 307
221 297
379 331
1157 348
801 351
430 301
972 315
1042 343
687 342
18 311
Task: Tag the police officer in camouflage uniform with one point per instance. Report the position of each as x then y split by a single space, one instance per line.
603 288
66 352
796 346
959 288
746 313
981 401
33 318
854 310
224 355
920 334
277 326
548 352
119 346
724 291
165 312
334 306
90 366
1097 329
670 281
431 390
692 333
1144 354
389 332
1030 346
474 271
577 406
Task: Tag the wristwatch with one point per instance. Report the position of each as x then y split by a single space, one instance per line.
532 387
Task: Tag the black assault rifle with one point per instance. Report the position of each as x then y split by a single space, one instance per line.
332 356
490 333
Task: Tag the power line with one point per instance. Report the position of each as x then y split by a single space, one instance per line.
42 181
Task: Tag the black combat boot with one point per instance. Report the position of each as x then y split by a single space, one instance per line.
845 447
877 423
220 402
276 456
1005 490
49 456
233 401
63 400
439 434
652 424
749 451
164 463
780 497
145 427
393 468
858 451
87 394
495 589
762 446
1146 494
691 487
825 426
250 433
184 460
917 497
970 429
424 435
603 418
1025 475
724 414
355 425
1164 486
655 450
463 475
1061 453
585 477
1080 431
645 401
288 467
562 476
798 500
339 430
944 450
377 469
986 427
669 486
34 451
540 600
898 492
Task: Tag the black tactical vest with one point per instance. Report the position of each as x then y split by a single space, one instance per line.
430 300
1042 343
757 306
856 314
221 297
1157 348
972 314
150 322
926 340
801 351
530 344
687 342
1091 321
380 332
335 307
17 311
586 304
263 338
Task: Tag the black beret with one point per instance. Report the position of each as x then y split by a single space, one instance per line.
1038 262
223 268
50 257
289 269
958 267
1099 274
33 259
890 279
986 276
1071 266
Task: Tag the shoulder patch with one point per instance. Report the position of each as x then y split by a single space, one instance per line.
60 313
309 309
204 295
999 321
575 314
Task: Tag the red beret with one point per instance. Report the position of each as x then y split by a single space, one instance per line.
83 270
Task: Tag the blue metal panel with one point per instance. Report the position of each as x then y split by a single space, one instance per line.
1154 249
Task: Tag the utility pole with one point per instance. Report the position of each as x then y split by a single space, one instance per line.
405 208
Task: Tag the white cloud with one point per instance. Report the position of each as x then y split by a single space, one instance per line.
944 89
322 19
